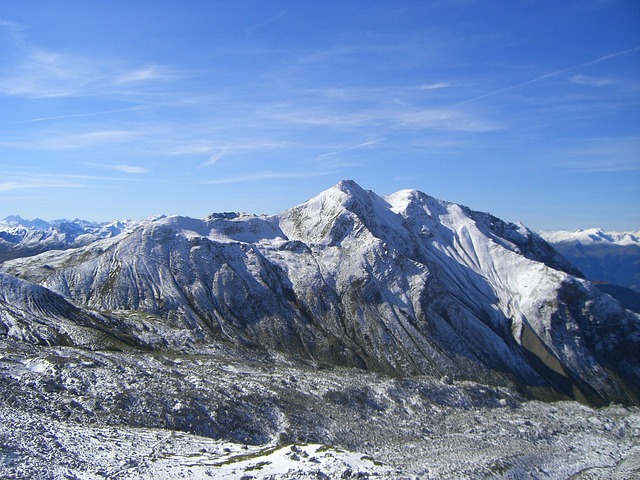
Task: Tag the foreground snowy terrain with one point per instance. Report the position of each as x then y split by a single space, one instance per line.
72 413
350 336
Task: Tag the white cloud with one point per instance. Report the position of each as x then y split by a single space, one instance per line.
83 140
14 30
120 168
591 81
213 159
444 119
434 86
8 186
130 169
240 146
145 74
44 73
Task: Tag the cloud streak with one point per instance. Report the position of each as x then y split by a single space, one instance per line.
548 75
348 149
601 155
38 73
36 184
434 86
81 115
121 168
254 177
84 140
231 149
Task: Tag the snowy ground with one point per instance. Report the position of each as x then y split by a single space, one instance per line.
72 413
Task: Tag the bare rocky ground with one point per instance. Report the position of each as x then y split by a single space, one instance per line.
74 413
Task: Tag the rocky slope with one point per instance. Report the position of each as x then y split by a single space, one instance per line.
404 284
74 413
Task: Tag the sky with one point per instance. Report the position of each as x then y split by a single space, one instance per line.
529 110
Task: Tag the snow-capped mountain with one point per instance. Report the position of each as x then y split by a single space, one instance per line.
20 237
404 284
611 257
590 236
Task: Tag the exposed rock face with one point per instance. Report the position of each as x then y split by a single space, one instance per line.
404 284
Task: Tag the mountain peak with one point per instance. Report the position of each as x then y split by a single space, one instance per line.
349 186
344 192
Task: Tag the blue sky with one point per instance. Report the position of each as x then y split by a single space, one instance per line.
527 109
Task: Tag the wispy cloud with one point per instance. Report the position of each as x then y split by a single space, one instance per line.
591 81
37 72
264 176
148 73
549 75
434 86
364 144
46 74
130 169
83 140
120 168
14 30
8 186
215 158
87 114
382 117
229 149
444 119
605 165
45 181
600 155
36 183
266 22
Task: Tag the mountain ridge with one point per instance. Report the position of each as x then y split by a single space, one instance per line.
404 284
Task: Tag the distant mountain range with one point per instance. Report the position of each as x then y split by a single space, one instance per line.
404 284
611 257
22 238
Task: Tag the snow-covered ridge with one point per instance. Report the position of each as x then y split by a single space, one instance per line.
404 284
591 236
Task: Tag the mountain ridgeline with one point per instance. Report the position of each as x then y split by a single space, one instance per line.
404 285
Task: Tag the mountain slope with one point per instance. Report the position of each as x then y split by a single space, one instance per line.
405 284
36 315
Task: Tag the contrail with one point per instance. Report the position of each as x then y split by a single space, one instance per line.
547 75
77 115
348 149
